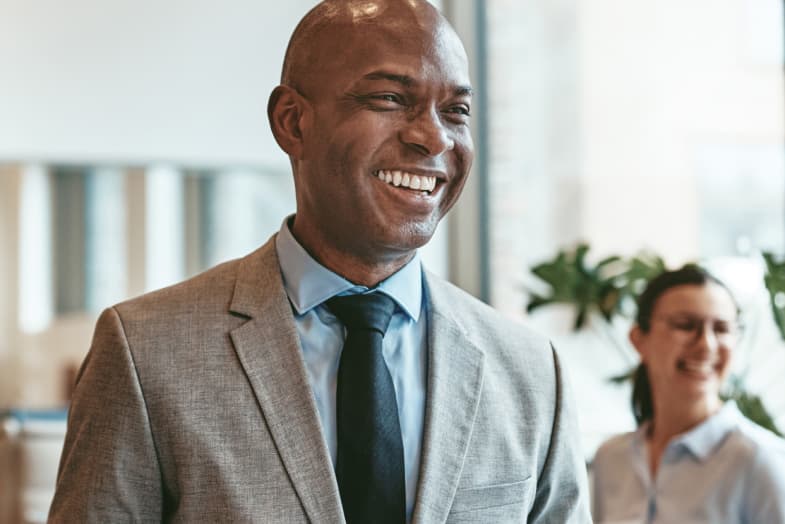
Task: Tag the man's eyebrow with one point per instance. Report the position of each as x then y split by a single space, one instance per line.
404 80
407 81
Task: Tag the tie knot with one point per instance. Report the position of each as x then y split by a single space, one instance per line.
371 312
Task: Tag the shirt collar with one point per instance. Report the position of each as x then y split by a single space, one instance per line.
308 283
704 438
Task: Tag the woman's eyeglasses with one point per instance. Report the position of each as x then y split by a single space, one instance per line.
694 326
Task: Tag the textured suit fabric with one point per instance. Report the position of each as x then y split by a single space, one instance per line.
193 406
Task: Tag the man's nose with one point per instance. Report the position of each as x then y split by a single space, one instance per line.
426 133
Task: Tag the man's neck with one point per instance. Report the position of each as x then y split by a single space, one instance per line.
358 271
366 271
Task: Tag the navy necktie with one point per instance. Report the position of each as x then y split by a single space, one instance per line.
369 465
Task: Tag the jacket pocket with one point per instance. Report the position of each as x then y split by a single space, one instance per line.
493 496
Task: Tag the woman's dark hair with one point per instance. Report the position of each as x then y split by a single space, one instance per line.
642 406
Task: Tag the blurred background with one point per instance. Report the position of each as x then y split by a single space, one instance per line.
135 152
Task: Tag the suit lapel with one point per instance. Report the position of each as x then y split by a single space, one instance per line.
269 349
455 375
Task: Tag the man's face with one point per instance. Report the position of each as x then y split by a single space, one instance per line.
387 149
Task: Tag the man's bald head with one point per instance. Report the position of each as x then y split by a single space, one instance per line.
328 28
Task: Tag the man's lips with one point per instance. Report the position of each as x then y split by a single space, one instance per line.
406 179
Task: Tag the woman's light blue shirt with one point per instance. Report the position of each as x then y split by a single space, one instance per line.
725 470
308 285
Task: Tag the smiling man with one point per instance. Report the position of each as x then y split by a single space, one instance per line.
327 377
374 112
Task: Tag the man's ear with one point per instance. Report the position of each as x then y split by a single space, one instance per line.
286 110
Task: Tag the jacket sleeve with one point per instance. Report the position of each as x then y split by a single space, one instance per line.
108 469
562 488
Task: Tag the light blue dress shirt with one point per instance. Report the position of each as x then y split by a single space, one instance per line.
308 285
725 470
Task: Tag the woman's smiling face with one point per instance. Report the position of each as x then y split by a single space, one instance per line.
688 346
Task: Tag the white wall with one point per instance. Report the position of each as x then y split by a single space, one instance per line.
610 120
661 83
177 80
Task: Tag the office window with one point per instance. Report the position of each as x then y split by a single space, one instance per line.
88 236
236 211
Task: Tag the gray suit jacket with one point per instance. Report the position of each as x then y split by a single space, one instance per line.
193 406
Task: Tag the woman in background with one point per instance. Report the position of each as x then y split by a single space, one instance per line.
692 458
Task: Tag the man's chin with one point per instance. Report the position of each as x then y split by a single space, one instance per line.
409 242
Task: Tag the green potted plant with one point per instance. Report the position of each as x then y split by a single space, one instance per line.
774 279
603 287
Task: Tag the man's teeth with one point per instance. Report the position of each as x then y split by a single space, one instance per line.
404 179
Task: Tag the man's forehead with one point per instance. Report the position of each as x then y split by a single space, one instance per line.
341 41
413 51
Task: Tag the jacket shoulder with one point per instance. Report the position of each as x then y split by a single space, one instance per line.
509 345
211 290
479 319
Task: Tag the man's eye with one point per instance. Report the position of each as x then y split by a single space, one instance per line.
388 97
460 110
